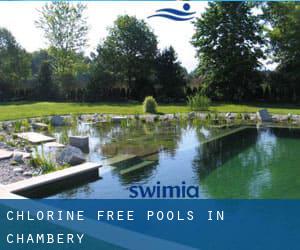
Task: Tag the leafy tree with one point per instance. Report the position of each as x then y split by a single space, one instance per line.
14 63
65 28
126 57
37 59
228 42
284 36
45 82
171 75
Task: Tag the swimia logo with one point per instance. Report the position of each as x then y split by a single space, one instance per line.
174 14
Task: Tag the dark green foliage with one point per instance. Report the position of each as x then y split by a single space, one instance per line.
14 64
284 36
228 42
171 76
126 58
46 86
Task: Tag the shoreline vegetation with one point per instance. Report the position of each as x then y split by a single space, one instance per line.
20 110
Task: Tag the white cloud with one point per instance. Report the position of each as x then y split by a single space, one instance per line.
19 18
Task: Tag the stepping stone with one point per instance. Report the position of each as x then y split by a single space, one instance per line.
39 125
28 174
25 155
81 142
35 138
137 167
54 145
120 159
57 121
4 154
118 119
264 116
18 170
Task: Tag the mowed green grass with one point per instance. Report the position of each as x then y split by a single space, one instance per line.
11 111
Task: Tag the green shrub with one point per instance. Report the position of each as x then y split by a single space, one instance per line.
199 102
42 161
150 105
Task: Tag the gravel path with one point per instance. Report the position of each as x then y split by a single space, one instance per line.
8 175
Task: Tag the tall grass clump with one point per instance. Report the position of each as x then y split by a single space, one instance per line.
198 102
150 105
43 161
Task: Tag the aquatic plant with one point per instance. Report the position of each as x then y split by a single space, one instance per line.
246 116
198 102
45 120
39 160
208 117
239 116
150 105
123 123
64 137
21 125
44 162
17 126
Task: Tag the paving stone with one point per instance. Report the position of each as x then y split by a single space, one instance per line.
54 145
118 119
57 121
81 142
39 125
25 155
35 138
5 154
28 173
18 170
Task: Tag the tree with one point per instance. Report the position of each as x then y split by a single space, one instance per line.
228 42
171 75
126 57
45 82
37 58
65 28
284 36
14 64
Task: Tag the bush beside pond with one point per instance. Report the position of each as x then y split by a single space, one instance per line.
150 105
199 102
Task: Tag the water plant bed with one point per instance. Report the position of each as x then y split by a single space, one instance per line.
240 158
169 149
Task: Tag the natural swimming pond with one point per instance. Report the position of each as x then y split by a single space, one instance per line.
238 162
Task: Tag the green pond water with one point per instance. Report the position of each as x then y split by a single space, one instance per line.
225 163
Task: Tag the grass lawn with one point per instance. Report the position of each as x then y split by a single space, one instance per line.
11 111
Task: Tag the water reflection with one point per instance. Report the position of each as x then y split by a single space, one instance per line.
260 170
248 163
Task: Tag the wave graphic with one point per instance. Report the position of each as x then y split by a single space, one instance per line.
171 17
174 14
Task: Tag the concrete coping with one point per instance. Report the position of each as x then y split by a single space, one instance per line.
233 131
5 194
52 178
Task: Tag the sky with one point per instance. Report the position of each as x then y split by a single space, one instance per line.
19 17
